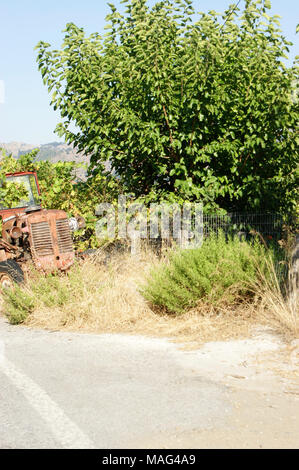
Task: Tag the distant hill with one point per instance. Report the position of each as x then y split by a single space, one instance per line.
54 152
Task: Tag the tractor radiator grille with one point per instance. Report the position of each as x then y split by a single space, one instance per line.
41 238
65 242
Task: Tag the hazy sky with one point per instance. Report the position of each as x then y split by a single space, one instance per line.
26 114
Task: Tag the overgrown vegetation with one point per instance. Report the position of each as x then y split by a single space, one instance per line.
277 303
219 290
92 294
184 108
219 271
60 190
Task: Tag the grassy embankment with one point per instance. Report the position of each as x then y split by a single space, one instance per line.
218 291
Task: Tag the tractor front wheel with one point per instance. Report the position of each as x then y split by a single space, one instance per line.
10 273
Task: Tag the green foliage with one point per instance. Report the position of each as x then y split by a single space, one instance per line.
191 107
10 193
48 292
18 304
218 270
44 290
59 190
53 291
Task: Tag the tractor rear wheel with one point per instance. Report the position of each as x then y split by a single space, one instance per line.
10 273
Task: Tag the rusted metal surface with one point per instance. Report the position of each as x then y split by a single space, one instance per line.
42 244
50 239
42 235
8 247
64 238
3 255
49 236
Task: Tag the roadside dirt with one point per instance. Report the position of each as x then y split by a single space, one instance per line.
132 391
262 379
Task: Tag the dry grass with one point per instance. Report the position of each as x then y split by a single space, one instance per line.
104 297
278 306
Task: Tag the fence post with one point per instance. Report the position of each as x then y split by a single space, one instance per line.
294 276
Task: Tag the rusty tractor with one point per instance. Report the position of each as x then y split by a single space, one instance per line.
30 232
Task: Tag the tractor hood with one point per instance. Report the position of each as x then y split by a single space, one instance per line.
50 239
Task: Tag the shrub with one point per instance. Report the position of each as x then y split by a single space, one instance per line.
220 269
18 305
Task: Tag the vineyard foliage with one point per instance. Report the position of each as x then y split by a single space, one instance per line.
60 190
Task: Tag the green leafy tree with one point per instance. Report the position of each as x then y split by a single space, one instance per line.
183 106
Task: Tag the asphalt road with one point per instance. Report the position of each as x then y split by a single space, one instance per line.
68 390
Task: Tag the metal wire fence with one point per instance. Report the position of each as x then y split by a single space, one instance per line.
267 227
245 225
